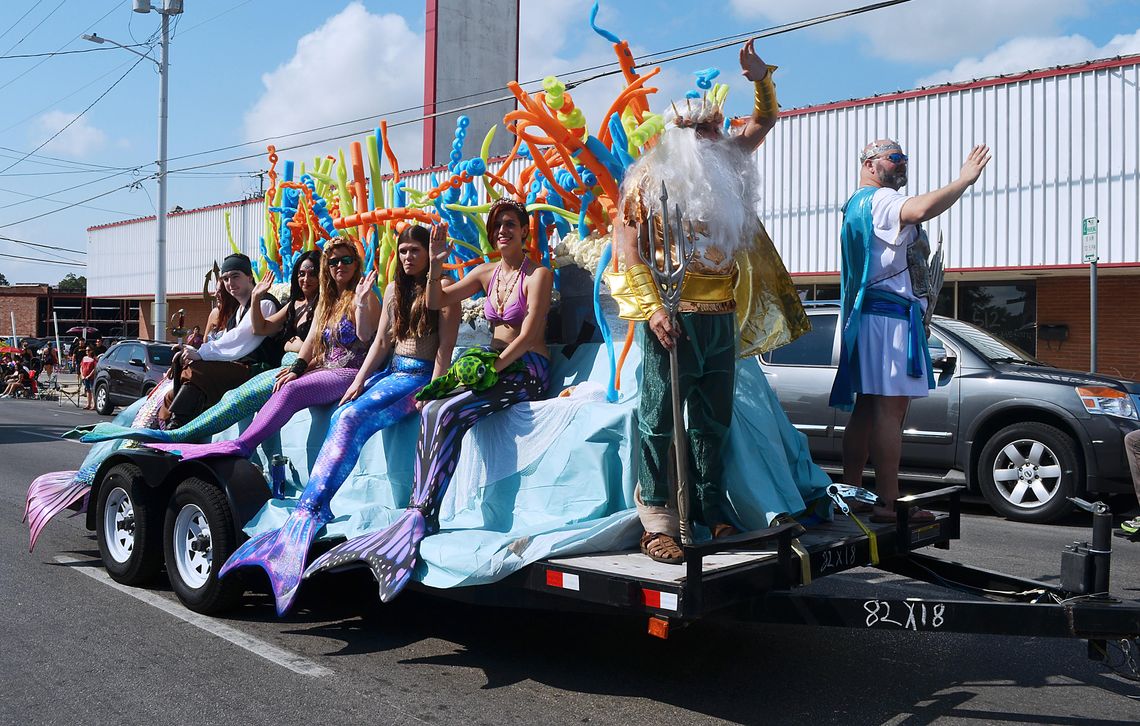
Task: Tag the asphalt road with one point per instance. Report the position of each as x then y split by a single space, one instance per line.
77 650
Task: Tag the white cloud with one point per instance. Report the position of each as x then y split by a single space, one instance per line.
932 30
1023 54
356 64
78 140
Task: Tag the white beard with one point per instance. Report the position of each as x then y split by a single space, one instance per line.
714 182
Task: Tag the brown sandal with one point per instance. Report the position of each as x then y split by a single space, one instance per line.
661 548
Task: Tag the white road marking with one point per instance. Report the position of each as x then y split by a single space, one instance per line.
53 438
280 656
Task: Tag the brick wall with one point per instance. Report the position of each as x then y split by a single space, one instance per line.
22 301
1065 300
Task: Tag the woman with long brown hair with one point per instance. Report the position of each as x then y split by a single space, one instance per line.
330 357
421 341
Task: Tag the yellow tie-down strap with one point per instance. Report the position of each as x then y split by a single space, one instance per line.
805 561
871 537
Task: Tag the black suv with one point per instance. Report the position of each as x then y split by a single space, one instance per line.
1023 433
128 370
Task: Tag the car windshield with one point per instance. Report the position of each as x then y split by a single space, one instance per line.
160 354
993 349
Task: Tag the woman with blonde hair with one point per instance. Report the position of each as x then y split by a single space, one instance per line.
337 343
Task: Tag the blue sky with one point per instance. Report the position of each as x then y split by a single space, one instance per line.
243 71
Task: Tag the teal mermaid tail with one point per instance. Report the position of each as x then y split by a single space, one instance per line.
236 405
282 553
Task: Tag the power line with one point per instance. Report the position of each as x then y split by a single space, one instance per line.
34 158
43 261
53 53
713 44
26 13
46 247
75 204
73 187
34 27
79 116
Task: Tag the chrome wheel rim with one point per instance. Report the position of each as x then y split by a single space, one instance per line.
101 397
194 551
1027 474
119 525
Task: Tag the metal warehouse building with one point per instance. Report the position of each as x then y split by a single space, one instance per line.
1066 144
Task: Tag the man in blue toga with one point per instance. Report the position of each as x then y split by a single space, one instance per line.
884 361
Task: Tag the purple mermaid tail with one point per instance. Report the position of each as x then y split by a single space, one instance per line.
49 495
201 451
281 553
391 553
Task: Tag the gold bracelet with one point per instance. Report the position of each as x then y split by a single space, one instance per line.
643 289
766 106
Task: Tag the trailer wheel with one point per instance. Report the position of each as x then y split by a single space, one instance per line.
127 526
1028 470
199 537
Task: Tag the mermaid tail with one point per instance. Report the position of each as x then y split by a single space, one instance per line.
106 431
201 451
236 405
281 553
391 553
49 495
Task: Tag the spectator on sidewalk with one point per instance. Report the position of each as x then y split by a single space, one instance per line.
87 374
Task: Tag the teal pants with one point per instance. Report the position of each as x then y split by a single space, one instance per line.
706 357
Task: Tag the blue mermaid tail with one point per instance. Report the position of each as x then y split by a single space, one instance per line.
388 397
391 553
49 495
281 553
107 431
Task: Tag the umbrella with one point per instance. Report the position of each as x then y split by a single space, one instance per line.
81 330
9 349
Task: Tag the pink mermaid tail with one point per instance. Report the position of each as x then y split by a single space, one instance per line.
49 495
282 553
201 451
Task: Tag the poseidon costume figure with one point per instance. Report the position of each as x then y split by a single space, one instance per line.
736 298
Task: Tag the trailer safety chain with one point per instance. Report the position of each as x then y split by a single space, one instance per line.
1129 653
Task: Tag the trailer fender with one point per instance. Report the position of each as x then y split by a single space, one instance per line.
155 466
241 481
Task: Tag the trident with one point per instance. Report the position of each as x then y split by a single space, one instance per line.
668 275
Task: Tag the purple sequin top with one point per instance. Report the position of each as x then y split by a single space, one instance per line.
342 348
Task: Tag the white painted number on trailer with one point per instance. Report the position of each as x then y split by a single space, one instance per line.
919 615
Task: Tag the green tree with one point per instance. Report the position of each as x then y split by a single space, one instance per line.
3 280
71 283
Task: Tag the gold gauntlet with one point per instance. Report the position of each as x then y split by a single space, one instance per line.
766 106
643 289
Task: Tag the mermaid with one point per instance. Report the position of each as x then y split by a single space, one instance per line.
514 369
420 342
327 362
291 322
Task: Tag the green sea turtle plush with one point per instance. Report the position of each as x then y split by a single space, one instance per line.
474 370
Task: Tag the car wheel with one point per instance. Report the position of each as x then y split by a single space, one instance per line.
1028 470
199 537
103 400
127 526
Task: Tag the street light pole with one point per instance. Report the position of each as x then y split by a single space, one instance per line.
170 7
159 330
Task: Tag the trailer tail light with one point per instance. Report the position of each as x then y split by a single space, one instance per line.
562 580
659 627
658 599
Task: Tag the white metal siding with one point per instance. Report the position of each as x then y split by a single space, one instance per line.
1065 147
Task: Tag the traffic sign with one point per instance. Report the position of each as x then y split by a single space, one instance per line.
1088 239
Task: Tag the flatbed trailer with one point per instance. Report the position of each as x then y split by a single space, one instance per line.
753 577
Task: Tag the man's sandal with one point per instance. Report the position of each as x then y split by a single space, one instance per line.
661 548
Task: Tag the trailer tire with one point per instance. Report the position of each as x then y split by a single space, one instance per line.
198 538
1028 470
127 526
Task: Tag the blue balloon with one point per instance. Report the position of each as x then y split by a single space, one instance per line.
601 31
603 326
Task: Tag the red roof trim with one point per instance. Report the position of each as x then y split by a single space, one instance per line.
1092 65
136 220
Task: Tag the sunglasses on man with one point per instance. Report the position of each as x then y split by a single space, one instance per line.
345 260
895 158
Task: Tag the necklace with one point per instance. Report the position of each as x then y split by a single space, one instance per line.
503 291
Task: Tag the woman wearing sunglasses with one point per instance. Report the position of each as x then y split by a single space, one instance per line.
416 342
515 368
292 323
328 361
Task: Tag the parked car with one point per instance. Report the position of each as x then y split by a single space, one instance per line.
128 370
1024 434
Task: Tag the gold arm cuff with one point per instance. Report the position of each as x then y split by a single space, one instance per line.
628 309
643 290
766 105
